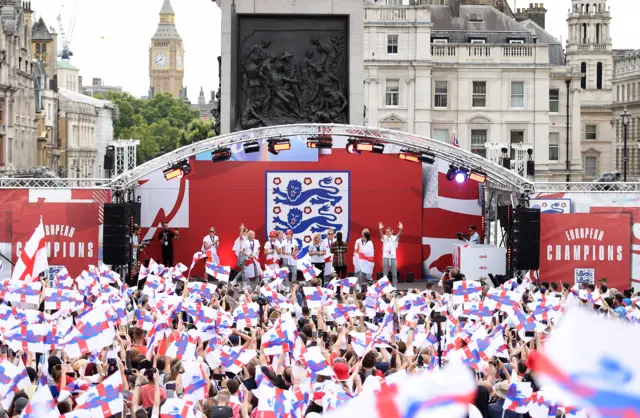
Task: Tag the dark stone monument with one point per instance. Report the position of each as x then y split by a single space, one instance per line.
291 69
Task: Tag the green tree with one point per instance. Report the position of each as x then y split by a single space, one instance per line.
196 130
161 124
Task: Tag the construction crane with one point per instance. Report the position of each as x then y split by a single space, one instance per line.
65 37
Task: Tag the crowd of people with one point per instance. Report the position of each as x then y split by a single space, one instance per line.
178 346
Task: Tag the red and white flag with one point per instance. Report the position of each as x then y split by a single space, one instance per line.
33 259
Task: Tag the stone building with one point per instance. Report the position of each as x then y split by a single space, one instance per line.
18 144
85 125
68 76
97 87
203 106
166 55
487 78
44 46
626 96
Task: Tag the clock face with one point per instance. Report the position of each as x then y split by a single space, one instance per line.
161 59
179 60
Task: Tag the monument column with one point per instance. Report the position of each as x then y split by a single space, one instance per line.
287 62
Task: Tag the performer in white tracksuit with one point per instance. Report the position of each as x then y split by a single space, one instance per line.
328 256
289 252
251 251
237 249
271 251
389 248
364 257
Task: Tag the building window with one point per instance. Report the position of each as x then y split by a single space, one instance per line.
392 44
392 96
583 81
618 94
553 146
477 41
441 135
554 100
516 41
37 48
517 94
591 167
591 132
440 41
479 94
516 137
440 94
44 48
478 139
599 76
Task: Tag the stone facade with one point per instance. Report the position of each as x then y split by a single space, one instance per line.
18 143
68 76
485 78
626 96
85 125
589 52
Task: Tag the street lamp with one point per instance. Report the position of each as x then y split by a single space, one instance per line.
626 116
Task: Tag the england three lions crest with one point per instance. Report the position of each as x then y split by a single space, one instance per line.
308 202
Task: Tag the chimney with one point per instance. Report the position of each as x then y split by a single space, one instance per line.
455 8
535 12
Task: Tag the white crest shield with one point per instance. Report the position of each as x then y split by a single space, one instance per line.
307 202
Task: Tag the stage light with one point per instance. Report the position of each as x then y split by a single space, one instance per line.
416 157
251 146
178 170
478 176
351 147
451 173
221 154
277 145
462 175
320 142
173 173
364 146
378 148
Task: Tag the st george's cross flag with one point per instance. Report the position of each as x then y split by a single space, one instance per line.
444 393
33 258
592 360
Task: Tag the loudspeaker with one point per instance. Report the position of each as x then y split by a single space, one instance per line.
525 244
503 216
506 163
409 277
117 234
531 168
136 208
109 156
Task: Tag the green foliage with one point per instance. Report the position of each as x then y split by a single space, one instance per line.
161 124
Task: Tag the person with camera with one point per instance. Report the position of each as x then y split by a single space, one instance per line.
472 238
450 276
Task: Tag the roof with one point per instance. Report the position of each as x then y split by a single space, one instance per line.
81 98
492 24
165 31
40 32
556 52
67 66
166 8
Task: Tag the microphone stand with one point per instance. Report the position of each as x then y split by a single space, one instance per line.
439 319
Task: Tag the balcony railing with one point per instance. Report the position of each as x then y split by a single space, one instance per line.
396 14
518 54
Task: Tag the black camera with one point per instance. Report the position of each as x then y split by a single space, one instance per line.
262 301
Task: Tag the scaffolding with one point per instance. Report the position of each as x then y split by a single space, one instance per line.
125 158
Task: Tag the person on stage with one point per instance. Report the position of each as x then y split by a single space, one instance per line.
339 251
166 237
364 257
271 249
317 253
251 251
328 256
210 245
389 248
238 245
289 251
279 242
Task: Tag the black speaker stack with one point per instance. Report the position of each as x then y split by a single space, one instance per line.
525 239
117 230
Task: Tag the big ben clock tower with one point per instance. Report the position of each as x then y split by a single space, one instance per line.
166 55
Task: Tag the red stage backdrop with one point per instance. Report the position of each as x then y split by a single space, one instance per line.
586 246
72 220
351 192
